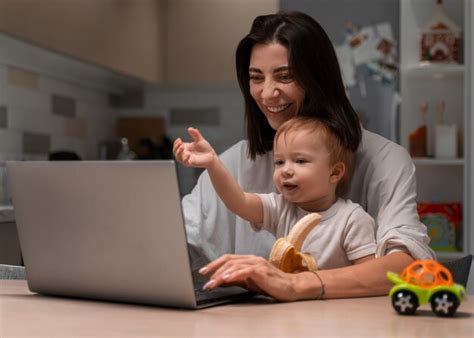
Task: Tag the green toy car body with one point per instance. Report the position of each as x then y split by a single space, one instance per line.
406 297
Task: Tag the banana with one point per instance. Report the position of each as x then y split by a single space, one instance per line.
286 254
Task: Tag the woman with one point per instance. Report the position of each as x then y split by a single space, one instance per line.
287 66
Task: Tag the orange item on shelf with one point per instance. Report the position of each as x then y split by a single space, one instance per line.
417 142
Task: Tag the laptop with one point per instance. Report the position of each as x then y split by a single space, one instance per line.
108 230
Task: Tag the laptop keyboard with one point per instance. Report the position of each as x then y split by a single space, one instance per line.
212 295
198 285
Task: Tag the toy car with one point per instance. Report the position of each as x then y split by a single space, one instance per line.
425 281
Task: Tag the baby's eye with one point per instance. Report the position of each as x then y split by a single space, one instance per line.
301 161
279 162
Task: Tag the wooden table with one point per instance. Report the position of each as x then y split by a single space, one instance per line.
25 314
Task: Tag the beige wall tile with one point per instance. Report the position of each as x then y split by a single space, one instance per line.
75 128
22 77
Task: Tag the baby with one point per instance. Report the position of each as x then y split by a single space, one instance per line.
311 173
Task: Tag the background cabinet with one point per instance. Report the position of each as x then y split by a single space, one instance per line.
438 180
201 38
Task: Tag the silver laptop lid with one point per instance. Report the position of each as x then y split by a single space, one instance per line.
105 230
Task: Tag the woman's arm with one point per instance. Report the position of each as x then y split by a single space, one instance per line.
257 274
363 259
366 279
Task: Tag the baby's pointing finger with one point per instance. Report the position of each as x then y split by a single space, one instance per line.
195 134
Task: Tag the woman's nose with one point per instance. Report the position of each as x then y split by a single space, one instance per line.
269 90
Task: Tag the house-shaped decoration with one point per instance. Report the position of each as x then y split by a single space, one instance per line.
440 37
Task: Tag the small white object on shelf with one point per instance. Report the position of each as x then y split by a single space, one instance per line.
125 153
446 135
446 141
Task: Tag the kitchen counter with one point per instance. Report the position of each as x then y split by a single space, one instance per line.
26 314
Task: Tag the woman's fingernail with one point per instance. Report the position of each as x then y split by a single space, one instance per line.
209 284
226 276
203 270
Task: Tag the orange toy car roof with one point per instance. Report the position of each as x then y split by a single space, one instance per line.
427 274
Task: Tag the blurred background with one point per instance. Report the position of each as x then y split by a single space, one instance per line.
121 79
78 76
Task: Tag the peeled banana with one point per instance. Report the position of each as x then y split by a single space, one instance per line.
286 254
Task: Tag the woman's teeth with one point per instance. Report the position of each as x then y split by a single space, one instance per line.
278 109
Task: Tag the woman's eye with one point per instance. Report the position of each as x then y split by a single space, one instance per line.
256 78
285 78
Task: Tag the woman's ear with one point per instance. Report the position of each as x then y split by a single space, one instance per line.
338 171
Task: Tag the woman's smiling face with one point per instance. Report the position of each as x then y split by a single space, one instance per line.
272 85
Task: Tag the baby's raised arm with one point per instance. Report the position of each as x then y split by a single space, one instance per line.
199 153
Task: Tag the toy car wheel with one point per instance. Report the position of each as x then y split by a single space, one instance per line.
405 302
444 303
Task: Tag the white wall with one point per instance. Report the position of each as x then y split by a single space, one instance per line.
29 104
29 77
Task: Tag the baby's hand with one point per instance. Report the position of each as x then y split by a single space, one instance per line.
198 153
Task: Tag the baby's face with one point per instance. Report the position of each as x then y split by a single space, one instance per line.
303 169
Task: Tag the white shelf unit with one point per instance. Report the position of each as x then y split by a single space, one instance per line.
438 180
430 71
426 161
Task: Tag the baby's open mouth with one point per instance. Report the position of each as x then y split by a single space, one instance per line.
289 186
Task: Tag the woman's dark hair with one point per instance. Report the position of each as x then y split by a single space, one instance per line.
314 66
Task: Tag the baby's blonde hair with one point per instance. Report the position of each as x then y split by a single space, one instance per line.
337 151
